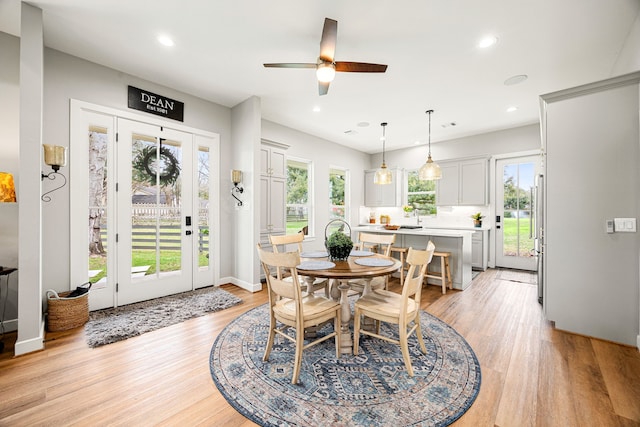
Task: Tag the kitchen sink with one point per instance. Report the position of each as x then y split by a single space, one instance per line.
410 227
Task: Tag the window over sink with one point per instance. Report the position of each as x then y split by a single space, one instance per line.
421 195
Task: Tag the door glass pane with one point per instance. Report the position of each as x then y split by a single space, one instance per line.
156 206
203 207
98 206
518 182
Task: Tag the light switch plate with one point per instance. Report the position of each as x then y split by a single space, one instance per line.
625 225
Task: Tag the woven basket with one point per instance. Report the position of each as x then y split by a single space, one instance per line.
66 313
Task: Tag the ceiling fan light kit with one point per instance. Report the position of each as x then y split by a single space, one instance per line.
430 170
326 66
383 175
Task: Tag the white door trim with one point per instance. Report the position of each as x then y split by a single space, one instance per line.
78 179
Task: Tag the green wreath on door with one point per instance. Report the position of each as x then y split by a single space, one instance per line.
145 162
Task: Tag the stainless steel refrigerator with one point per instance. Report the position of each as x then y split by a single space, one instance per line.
538 241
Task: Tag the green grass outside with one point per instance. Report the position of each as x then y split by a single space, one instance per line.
169 261
510 236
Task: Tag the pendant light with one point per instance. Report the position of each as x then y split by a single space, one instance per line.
383 175
430 170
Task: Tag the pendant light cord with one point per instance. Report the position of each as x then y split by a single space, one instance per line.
384 139
429 113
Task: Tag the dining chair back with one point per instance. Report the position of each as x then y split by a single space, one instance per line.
288 240
401 309
288 306
383 244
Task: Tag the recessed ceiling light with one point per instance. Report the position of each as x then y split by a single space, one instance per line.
511 109
316 109
514 80
165 40
417 142
350 132
487 42
363 124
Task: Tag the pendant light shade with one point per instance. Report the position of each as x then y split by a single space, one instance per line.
383 175
430 170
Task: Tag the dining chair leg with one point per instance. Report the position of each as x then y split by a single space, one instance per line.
356 331
337 323
272 334
404 346
423 348
298 357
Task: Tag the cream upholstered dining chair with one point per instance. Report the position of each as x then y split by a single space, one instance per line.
368 241
290 308
401 309
297 239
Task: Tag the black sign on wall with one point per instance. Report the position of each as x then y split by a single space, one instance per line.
155 104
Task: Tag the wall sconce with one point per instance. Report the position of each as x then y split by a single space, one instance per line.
56 157
7 188
236 178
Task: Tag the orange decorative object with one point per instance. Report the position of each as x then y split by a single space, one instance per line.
7 188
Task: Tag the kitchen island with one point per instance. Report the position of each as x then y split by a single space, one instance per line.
458 242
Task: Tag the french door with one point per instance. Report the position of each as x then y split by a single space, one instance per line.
142 191
515 209
155 211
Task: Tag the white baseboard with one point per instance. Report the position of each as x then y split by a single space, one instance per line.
247 286
30 345
638 342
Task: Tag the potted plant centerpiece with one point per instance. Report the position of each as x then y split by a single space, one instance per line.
407 210
477 219
339 245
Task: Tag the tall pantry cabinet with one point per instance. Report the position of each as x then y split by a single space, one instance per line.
591 142
273 190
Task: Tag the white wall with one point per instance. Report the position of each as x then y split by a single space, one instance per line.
593 153
68 77
9 162
629 58
513 140
324 154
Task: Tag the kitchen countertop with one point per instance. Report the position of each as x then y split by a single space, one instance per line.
439 227
439 232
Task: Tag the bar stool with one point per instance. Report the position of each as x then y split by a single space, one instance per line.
403 253
444 275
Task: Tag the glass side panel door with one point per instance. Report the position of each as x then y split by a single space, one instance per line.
515 181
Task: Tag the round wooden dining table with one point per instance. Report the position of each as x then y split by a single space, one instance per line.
340 272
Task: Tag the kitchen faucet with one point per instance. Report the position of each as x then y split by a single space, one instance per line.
417 215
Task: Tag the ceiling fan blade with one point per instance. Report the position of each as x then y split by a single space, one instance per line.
323 88
290 65
328 40
360 67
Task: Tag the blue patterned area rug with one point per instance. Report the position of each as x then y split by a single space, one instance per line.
371 389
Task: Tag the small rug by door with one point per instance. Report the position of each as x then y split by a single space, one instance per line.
371 389
517 276
117 324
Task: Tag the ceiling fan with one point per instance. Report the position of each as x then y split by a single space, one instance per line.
326 66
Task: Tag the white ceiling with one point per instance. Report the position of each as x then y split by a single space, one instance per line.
430 47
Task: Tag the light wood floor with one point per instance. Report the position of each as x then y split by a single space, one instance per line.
532 375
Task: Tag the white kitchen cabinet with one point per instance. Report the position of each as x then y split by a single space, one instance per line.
480 250
463 183
383 195
273 190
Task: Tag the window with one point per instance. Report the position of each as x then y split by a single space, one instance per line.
338 194
298 196
421 194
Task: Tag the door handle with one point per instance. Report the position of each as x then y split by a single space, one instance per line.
188 232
